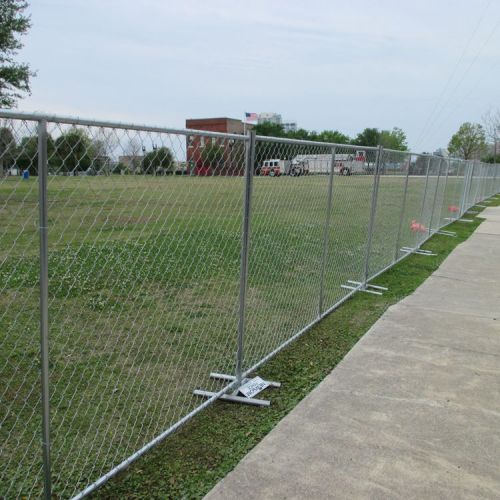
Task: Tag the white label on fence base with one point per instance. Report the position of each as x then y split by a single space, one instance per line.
253 387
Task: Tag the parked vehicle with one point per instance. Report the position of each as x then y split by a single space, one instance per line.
345 164
274 167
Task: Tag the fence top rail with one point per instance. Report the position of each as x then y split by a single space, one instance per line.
20 115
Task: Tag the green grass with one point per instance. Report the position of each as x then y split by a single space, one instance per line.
143 306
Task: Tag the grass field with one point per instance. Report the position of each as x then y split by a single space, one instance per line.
144 278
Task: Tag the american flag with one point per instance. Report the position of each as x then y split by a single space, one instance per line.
251 117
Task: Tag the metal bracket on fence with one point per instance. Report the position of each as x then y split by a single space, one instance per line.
446 233
418 251
235 397
364 287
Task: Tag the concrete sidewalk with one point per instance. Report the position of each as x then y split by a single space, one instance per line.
413 411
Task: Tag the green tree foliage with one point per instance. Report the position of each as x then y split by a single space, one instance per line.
212 155
333 136
270 129
276 130
14 76
7 149
27 153
369 137
393 139
73 152
469 142
158 161
390 139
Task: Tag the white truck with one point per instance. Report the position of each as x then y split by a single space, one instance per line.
345 164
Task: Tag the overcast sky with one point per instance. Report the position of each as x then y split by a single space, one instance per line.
425 66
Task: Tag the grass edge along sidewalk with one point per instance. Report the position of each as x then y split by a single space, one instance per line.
191 461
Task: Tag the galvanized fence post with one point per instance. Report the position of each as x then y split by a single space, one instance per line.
245 239
371 224
326 234
443 201
44 304
422 208
403 206
467 184
435 196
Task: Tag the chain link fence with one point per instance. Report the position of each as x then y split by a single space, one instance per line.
136 261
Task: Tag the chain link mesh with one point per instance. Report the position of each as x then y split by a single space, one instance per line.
145 237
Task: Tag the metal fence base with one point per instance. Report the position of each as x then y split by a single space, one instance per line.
446 233
234 397
364 287
472 212
418 251
465 220
230 378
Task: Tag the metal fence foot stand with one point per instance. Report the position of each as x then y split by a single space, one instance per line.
447 233
364 287
418 251
465 220
235 396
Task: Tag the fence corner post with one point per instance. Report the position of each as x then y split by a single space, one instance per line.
44 305
245 239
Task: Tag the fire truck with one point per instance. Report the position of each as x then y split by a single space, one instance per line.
345 164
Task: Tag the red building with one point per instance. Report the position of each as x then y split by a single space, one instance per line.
232 162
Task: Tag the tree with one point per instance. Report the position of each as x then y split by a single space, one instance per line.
7 149
104 144
14 77
73 151
270 129
393 139
212 155
369 137
27 153
133 150
491 124
334 136
469 142
158 161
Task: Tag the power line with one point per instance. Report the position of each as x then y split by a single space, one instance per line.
474 86
450 78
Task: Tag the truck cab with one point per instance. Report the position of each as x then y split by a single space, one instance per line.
272 168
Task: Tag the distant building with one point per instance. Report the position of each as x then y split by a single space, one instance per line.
289 126
269 118
441 152
233 159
